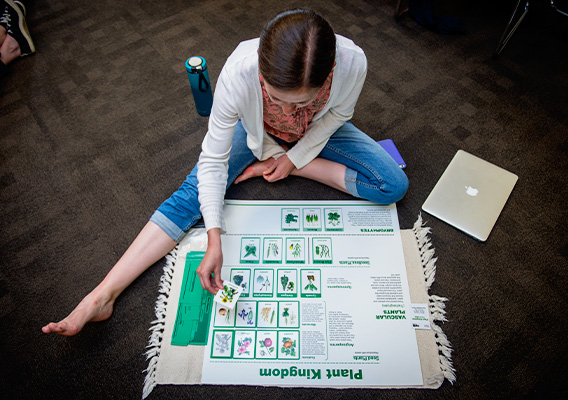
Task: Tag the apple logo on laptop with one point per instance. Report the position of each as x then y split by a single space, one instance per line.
471 191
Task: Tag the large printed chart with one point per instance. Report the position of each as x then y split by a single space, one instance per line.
325 298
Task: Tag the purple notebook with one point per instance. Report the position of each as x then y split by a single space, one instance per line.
389 146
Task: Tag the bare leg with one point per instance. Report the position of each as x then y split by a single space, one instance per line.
150 246
324 171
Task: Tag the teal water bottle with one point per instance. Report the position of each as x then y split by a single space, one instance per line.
200 85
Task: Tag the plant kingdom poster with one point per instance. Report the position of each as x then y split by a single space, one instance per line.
325 298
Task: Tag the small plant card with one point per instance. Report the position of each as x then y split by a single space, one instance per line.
290 219
229 295
245 342
267 314
222 344
250 250
287 283
321 250
263 284
266 344
288 314
272 250
333 219
241 277
310 281
224 316
289 344
246 314
312 219
295 253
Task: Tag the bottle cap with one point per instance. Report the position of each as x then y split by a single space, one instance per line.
195 63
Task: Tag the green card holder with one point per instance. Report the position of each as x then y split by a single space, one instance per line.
194 308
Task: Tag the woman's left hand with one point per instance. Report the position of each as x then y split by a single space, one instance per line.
281 168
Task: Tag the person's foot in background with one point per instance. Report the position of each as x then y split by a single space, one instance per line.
15 38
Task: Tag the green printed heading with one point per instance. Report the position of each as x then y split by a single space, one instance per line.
392 314
311 373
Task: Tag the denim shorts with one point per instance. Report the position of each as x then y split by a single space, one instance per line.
371 174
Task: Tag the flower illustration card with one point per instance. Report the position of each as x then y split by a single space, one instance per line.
267 314
224 316
287 283
244 344
222 344
266 344
289 345
246 314
288 314
241 277
229 295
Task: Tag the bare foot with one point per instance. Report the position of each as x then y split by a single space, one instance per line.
94 307
10 50
255 169
2 34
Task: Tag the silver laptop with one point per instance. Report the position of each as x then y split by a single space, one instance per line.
470 194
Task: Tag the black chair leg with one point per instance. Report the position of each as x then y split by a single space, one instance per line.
508 33
400 9
553 5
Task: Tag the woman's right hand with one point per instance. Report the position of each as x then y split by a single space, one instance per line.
280 169
209 271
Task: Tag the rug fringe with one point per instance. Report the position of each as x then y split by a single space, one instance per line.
436 303
158 325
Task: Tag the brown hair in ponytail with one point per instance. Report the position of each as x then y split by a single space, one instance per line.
297 49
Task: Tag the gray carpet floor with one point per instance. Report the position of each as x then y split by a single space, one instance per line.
99 127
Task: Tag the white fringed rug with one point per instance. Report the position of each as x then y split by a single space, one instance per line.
180 365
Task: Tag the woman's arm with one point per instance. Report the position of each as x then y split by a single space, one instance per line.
212 173
209 271
212 167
